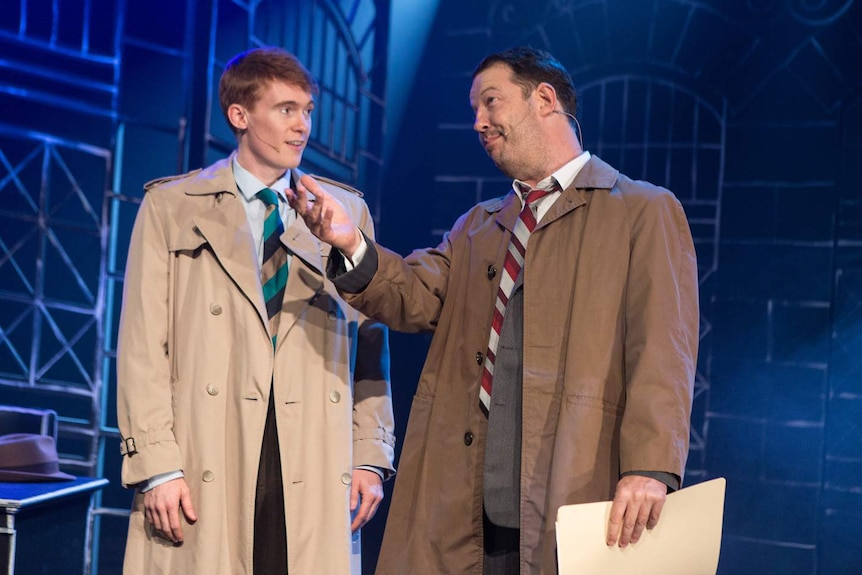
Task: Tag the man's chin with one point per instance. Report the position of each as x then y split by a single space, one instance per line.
291 159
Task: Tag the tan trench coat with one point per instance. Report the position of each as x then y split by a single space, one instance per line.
195 365
610 340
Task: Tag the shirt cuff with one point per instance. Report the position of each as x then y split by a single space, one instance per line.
377 470
351 263
157 480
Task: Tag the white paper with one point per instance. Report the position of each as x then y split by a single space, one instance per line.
686 540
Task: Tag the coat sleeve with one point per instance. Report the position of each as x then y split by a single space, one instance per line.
407 294
144 402
373 419
661 336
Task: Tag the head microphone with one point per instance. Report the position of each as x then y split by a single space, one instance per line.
512 129
579 134
254 133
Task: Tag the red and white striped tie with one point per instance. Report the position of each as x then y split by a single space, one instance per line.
512 265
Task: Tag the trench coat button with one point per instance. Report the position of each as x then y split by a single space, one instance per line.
215 309
346 478
212 389
492 272
468 439
208 476
334 396
480 358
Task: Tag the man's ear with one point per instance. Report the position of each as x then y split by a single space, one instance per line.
546 98
237 117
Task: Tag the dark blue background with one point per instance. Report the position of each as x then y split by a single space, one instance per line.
749 110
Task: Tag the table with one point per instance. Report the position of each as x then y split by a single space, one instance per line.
43 526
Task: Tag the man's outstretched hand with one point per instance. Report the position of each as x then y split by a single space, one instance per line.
324 215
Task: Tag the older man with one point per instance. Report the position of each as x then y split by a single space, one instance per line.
565 322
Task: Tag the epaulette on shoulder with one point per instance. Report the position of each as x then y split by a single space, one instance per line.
338 184
159 181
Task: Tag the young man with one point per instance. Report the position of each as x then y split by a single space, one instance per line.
254 404
565 320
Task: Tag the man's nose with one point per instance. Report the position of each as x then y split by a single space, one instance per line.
480 122
303 125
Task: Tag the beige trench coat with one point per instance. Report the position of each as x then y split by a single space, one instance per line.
610 340
194 370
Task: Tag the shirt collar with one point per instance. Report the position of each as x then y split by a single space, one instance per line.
562 177
249 185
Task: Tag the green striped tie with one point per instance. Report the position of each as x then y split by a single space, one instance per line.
273 270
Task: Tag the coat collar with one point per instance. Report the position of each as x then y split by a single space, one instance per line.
218 179
596 174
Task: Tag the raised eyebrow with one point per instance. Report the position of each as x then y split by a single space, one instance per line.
480 96
484 92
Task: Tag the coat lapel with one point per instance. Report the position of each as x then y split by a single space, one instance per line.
305 278
508 207
225 228
595 174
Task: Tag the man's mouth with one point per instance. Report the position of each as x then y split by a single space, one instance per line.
490 139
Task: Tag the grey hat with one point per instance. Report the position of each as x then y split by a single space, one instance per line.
30 457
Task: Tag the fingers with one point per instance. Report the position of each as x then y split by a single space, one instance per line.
164 517
310 184
162 506
174 527
324 215
637 506
354 496
634 523
655 514
306 205
367 491
314 210
367 510
618 509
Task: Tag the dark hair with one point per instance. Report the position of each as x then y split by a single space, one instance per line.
249 72
530 67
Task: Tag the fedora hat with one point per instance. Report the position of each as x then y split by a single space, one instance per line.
30 457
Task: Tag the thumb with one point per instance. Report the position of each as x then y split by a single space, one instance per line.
188 508
354 496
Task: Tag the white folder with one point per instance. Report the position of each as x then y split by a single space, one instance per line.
686 540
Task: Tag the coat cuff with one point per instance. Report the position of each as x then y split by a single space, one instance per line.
154 454
375 449
669 479
356 280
